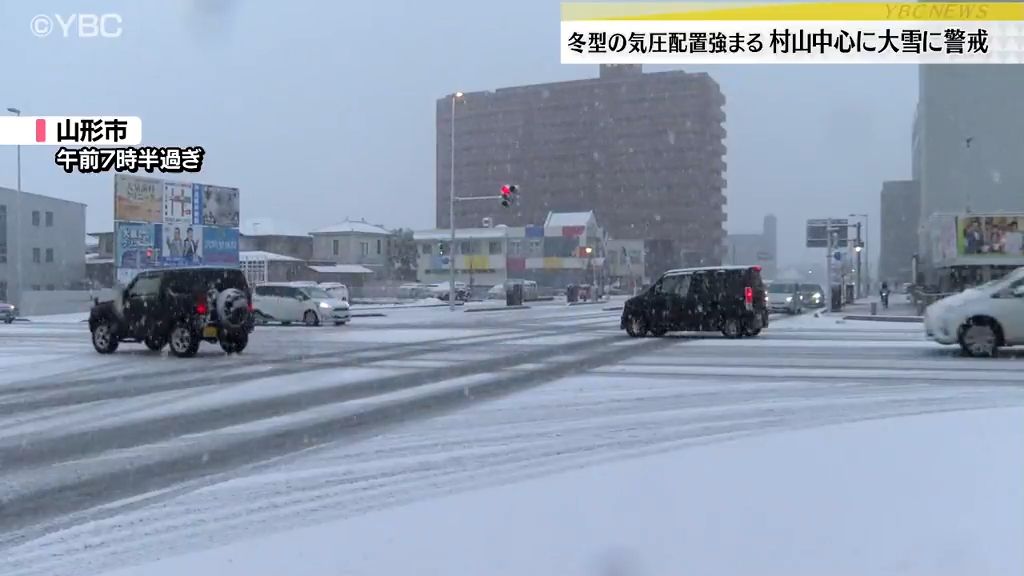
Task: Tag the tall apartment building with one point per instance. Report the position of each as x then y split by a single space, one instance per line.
645 152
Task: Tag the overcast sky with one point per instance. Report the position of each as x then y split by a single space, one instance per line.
322 110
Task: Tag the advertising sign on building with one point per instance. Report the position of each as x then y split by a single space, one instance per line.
994 236
160 224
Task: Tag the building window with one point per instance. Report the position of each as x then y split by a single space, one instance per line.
379 246
515 247
336 247
35 217
3 291
36 255
364 248
426 249
49 254
36 287
494 247
51 287
535 247
49 219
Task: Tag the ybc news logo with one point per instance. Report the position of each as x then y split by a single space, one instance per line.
78 25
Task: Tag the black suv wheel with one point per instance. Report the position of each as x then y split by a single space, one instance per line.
155 343
184 341
104 337
234 343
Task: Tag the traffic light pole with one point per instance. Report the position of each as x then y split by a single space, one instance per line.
451 221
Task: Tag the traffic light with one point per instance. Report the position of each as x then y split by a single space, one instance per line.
509 195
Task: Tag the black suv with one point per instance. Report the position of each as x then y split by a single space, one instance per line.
177 306
730 299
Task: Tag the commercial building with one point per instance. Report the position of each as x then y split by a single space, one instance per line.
967 145
901 216
49 242
755 249
569 248
643 151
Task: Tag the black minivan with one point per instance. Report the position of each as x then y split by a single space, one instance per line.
730 299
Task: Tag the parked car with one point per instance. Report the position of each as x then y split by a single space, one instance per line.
981 320
287 303
530 290
730 299
176 306
8 312
785 297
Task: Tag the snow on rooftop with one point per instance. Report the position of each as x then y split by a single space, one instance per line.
460 233
568 218
353 226
247 255
342 269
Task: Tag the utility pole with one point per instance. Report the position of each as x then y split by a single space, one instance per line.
14 248
828 264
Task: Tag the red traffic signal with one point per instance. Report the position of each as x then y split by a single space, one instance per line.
506 195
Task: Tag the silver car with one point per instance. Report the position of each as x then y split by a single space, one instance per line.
8 312
785 297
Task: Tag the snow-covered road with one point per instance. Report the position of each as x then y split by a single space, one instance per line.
108 462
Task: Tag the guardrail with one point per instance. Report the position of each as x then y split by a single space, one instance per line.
922 298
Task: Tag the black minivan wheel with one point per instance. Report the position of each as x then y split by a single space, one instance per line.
731 328
636 326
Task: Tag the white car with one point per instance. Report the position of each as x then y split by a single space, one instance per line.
784 297
289 303
336 289
982 319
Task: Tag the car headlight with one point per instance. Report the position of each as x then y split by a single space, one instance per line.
789 298
817 296
325 305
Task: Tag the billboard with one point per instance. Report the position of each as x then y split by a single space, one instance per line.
218 205
138 199
991 236
220 245
160 224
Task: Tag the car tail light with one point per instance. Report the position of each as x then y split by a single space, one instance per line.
748 295
249 304
201 307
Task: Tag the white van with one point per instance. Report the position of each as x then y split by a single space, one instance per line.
289 302
336 289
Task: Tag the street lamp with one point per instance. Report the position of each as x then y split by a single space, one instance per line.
863 245
451 209
15 244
